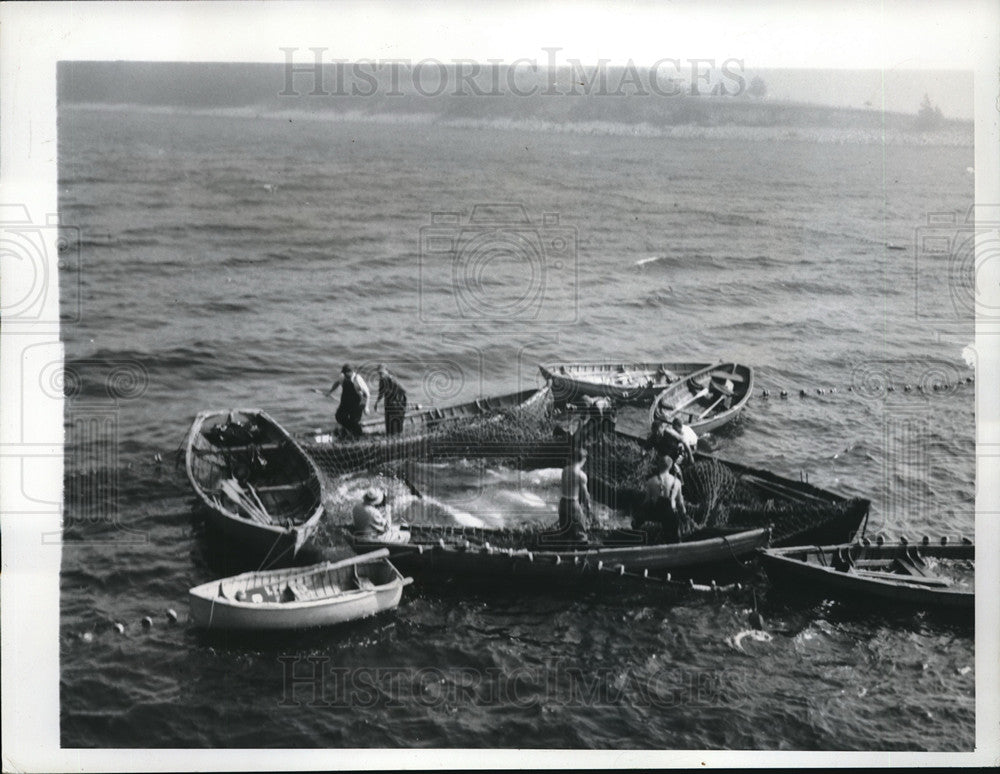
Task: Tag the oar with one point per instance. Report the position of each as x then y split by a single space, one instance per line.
235 492
724 375
697 396
717 402
256 498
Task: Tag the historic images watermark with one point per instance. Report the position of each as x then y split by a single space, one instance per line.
316 682
320 75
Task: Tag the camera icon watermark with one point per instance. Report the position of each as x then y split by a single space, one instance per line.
498 266
964 256
31 256
908 380
70 422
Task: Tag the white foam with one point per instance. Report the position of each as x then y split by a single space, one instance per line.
754 634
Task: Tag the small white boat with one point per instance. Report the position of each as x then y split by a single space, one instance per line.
636 383
707 399
300 597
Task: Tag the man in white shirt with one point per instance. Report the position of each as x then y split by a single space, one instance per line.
373 520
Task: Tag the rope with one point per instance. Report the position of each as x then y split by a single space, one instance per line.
732 554
268 554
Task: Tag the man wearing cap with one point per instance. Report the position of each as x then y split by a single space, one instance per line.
373 520
395 400
353 400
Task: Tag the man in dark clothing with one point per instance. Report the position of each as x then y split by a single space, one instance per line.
353 400
392 391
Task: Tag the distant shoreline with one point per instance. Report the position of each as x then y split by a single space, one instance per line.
809 126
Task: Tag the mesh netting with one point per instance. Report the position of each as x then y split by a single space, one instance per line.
485 429
529 435
718 494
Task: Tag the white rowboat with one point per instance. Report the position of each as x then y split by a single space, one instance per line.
300 597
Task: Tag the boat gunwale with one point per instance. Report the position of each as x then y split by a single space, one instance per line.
741 537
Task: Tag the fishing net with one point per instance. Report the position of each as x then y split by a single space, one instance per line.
722 495
484 429
531 435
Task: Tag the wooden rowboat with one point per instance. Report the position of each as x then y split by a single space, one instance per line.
419 421
530 553
300 597
706 399
636 383
258 486
425 431
924 575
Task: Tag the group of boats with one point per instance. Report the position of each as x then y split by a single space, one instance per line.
262 489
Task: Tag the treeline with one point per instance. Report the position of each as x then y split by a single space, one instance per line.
704 93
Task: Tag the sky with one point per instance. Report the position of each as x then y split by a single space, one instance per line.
852 34
883 38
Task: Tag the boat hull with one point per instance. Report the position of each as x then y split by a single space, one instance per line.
554 558
803 567
273 545
213 605
630 383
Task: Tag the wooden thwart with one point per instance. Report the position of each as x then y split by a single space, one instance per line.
282 487
696 397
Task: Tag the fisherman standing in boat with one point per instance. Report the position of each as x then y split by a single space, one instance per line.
675 441
353 400
395 400
686 438
574 505
664 503
373 520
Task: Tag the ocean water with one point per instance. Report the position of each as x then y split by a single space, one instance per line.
237 259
